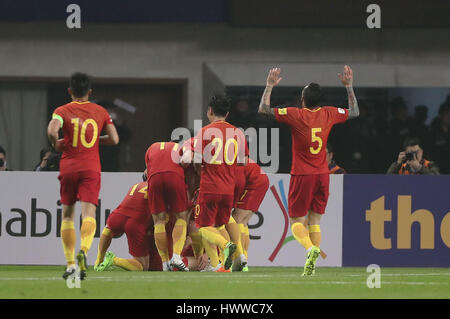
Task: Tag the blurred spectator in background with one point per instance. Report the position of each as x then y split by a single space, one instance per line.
420 128
411 161
49 160
359 149
2 159
332 166
110 156
440 137
401 124
241 115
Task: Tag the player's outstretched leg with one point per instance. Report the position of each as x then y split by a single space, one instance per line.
310 264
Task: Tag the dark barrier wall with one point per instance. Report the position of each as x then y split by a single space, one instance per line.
396 221
131 11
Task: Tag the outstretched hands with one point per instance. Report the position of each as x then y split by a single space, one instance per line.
347 77
274 77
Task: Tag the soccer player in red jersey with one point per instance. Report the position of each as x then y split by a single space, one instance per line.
132 218
309 184
168 194
82 123
220 147
250 195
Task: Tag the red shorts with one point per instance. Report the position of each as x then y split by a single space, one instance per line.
308 192
251 199
167 193
83 186
213 209
135 229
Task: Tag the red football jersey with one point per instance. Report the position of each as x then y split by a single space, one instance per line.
254 175
192 177
82 124
222 146
135 203
163 157
310 130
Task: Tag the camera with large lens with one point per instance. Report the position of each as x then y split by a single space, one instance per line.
409 156
2 162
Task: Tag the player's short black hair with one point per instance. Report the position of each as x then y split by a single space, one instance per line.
2 150
220 104
80 84
329 148
312 94
411 141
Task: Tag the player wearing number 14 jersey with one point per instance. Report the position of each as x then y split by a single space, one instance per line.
82 123
309 184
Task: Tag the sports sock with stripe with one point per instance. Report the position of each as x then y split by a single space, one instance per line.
161 241
301 234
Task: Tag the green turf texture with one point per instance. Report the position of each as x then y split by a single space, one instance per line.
259 282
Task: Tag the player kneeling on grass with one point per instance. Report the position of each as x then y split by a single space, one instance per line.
132 218
251 187
309 185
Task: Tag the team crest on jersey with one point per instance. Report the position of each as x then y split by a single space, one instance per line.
342 111
282 111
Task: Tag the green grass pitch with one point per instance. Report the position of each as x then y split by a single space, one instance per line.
259 282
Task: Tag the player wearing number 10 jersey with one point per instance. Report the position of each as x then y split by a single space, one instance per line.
82 123
309 184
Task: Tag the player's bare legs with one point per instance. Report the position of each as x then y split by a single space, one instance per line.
161 241
179 238
88 227
68 238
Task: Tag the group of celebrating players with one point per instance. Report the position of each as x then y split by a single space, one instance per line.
192 209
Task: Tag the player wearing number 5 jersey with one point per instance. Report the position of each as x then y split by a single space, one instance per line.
82 123
309 184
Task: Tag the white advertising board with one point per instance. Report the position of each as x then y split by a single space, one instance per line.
30 218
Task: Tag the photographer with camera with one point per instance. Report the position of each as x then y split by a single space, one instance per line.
49 161
411 161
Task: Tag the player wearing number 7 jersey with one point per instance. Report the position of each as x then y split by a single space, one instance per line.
82 123
309 184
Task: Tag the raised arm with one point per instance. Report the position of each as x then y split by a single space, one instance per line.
347 81
272 80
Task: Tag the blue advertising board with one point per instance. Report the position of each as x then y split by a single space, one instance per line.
396 221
